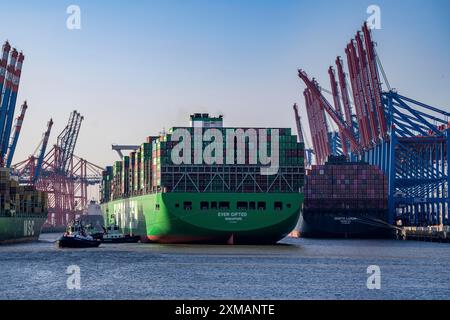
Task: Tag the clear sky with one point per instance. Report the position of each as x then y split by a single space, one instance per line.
136 67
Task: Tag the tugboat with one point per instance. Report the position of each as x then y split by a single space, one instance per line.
94 232
76 237
112 234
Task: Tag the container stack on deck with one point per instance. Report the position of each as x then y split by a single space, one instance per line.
345 200
345 185
150 169
18 200
146 165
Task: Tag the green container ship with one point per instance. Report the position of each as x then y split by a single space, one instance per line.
210 190
20 228
23 210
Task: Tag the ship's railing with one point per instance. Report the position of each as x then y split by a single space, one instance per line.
12 214
224 179
231 179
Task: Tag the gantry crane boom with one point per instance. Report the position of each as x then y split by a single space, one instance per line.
8 87
337 107
73 140
67 140
341 123
302 139
3 66
15 137
344 93
12 104
299 124
375 80
367 89
40 159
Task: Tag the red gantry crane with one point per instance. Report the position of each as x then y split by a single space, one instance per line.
63 175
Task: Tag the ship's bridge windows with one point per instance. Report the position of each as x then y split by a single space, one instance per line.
261 205
278 206
157 206
242 205
187 205
214 205
252 205
204 205
224 205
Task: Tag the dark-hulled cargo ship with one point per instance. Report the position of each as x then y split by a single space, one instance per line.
23 210
345 200
148 194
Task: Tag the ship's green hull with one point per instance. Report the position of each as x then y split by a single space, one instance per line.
162 217
20 229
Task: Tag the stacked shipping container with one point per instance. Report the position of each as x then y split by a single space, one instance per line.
150 168
106 186
115 183
345 200
146 165
17 200
342 185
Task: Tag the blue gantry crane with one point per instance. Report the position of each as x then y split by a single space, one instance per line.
42 149
10 72
12 105
405 138
67 140
15 137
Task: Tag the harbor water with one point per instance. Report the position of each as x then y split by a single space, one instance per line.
293 269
